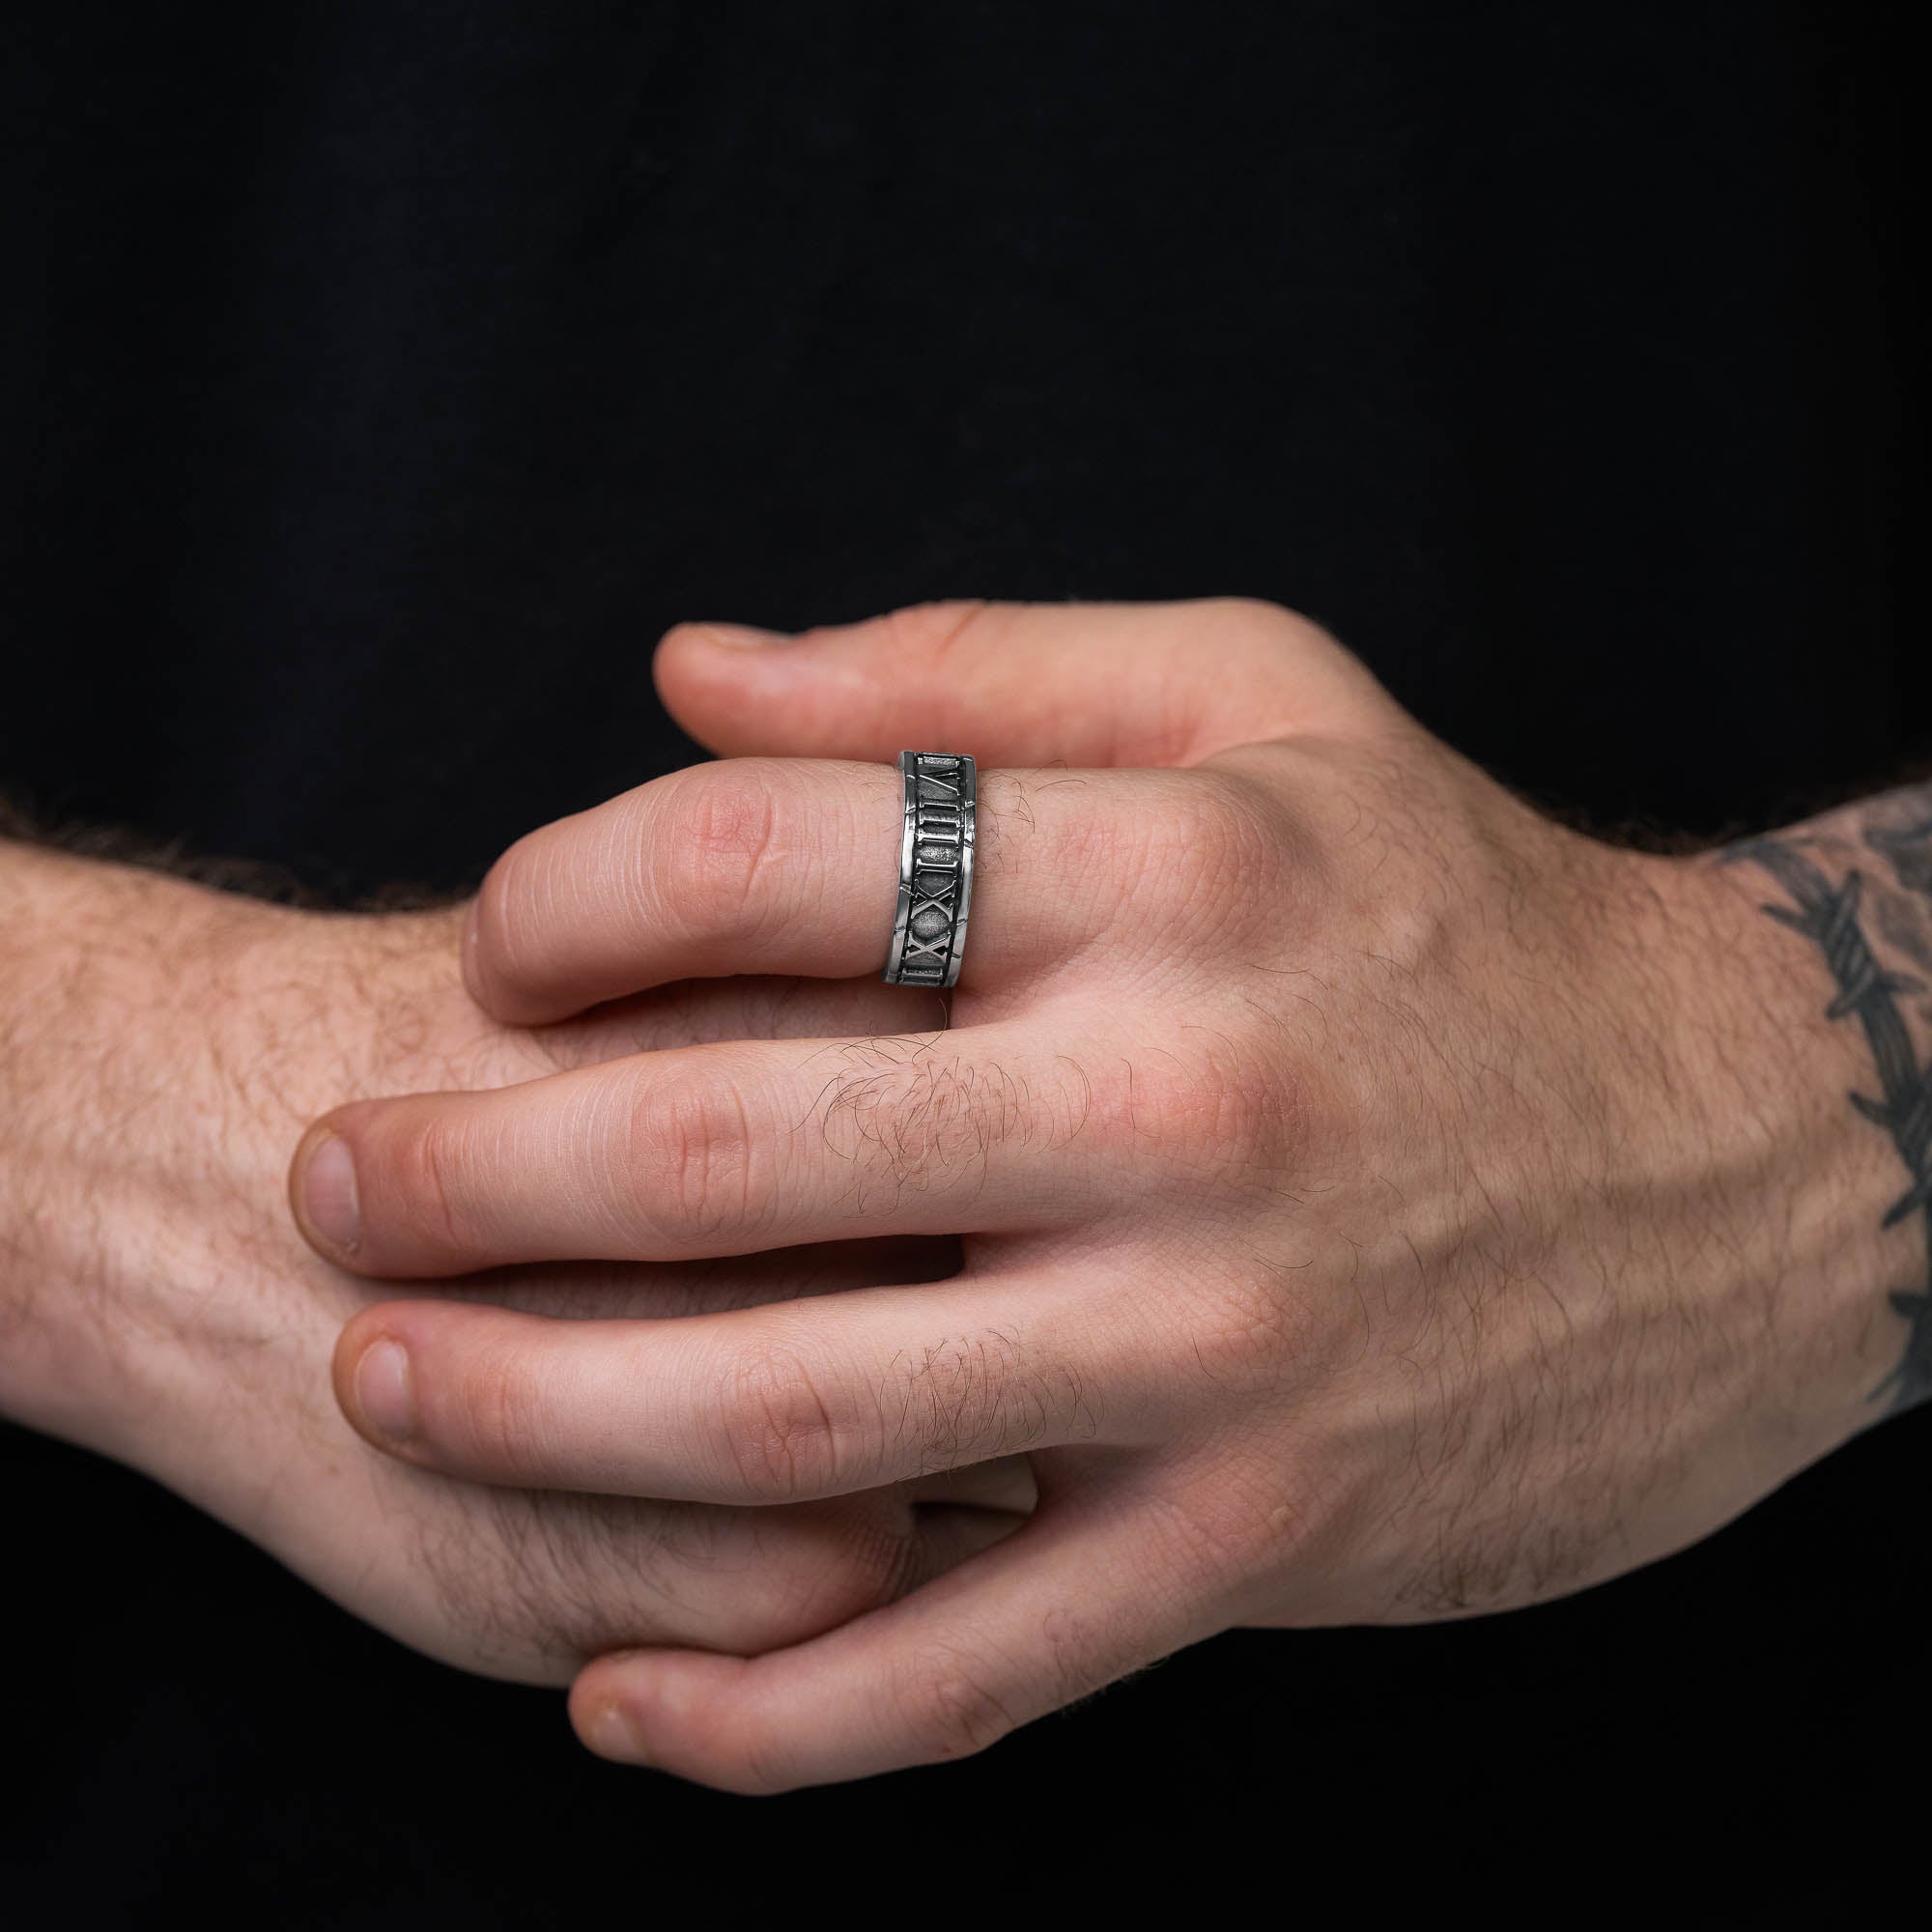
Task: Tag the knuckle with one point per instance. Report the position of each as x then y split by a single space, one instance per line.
1271 646
1209 849
1257 1335
1268 630
779 1436
934 629
947 1706
713 838
690 1156
1278 1113
1256 617
1232 1112
502 1417
426 1164
1227 1532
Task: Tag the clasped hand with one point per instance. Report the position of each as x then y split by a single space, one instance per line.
1360 1176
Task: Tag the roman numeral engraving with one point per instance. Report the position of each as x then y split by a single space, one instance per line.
940 796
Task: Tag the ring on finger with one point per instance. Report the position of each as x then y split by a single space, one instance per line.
940 792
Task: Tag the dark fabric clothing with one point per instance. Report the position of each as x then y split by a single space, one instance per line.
381 380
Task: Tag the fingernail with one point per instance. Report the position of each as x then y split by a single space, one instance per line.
743 636
613 1735
383 1392
328 1194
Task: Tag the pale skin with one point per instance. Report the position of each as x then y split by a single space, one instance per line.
160 1047
1377 1202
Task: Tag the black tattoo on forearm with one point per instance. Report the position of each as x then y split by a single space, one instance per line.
1849 923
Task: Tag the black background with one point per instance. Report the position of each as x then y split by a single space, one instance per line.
382 379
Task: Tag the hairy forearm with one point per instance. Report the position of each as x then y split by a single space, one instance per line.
97 964
161 1043
1856 887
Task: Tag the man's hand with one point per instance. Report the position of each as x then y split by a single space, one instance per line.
1379 1203
160 1047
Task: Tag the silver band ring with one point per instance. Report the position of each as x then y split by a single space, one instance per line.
942 796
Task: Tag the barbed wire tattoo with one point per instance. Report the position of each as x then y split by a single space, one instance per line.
1835 917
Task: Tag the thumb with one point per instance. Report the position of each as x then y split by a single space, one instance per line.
1016 684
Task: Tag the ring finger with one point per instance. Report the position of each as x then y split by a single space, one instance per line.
788 865
755 1407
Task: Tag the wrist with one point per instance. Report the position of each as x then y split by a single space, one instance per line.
1851 892
1800 1181
113 1136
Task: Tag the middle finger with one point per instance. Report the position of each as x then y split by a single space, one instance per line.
720 1149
